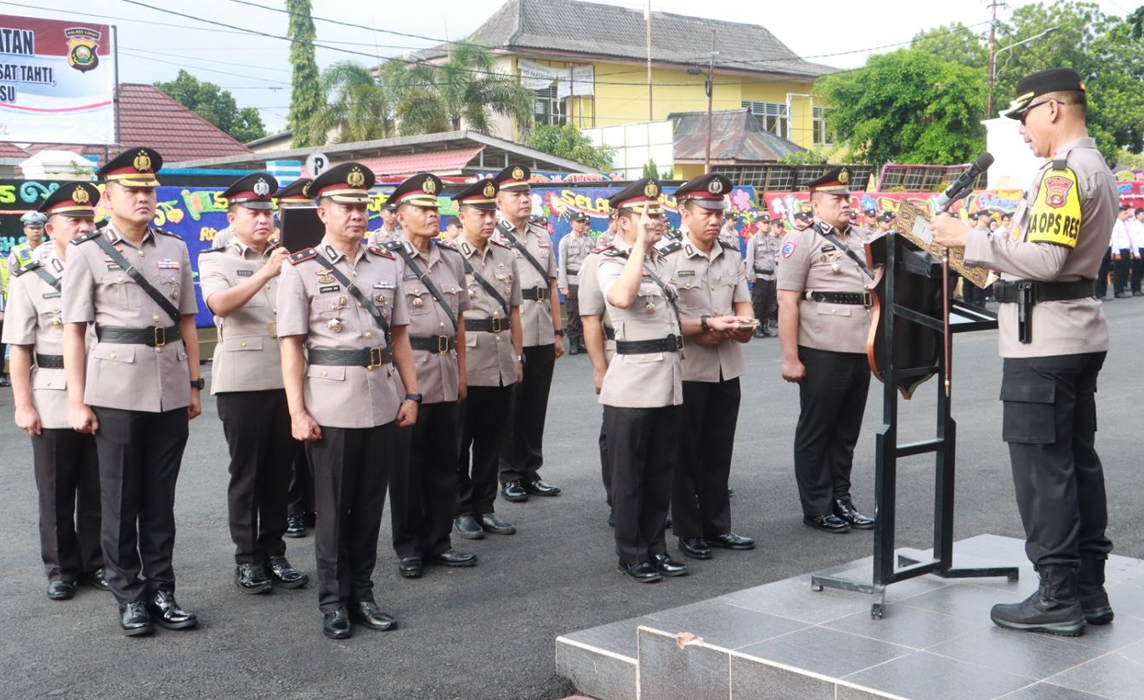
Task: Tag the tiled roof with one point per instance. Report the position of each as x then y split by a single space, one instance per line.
737 137
605 31
150 117
11 150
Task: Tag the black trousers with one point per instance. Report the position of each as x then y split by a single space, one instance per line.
484 419
1102 275
1120 271
1137 270
351 469
832 397
1049 421
764 299
700 504
605 464
574 330
67 481
522 453
644 446
423 485
140 454
300 493
257 429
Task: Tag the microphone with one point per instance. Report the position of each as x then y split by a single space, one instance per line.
957 190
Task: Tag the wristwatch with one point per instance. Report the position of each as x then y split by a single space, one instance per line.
559 331
199 384
520 358
703 324
413 397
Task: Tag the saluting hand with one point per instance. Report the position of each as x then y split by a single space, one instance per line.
273 266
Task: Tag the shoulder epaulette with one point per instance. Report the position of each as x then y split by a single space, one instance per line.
211 250
381 251
27 268
1061 163
597 251
168 233
89 236
613 252
391 245
728 245
502 244
670 248
445 245
303 255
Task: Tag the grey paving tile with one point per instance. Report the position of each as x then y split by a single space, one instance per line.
1124 631
911 627
1126 599
826 651
1112 676
598 675
925 676
1035 656
618 637
695 672
792 598
751 680
961 599
723 625
1048 691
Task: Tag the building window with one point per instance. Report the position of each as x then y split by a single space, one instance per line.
548 108
772 115
822 135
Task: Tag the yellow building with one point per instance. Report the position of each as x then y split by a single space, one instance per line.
587 64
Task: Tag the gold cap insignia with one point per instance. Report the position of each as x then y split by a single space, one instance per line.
715 186
490 189
142 162
262 187
429 187
518 174
306 190
80 196
844 176
652 190
356 178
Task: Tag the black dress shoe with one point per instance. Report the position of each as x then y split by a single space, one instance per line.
283 573
295 526
452 557
336 624
135 620
666 566
96 579
694 547
1120 295
573 349
846 512
411 567
827 523
730 540
641 573
491 522
164 610
467 526
539 487
514 492
4 380
61 590
252 578
367 613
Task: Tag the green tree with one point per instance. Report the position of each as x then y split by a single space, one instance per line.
358 106
908 106
215 105
953 43
568 142
306 94
650 169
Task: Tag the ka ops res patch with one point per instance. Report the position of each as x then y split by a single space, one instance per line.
1055 217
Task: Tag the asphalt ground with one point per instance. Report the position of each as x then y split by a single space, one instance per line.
488 632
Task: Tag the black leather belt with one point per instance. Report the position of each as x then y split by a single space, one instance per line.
572 271
535 293
1010 292
672 343
433 343
487 325
49 361
155 337
609 333
764 272
854 298
365 357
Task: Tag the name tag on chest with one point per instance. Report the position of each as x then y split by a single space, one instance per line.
687 273
329 288
52 295
245 273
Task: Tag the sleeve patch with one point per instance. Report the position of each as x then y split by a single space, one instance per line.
788 249
1055 215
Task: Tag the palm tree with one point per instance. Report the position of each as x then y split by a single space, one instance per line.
359 107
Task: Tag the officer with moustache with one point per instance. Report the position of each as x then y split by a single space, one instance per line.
65 461
137 387
239 283
423 487
343 327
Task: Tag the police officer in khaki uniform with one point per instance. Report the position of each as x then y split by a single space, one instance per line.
239 283
824 320
343 327
574 247
642 390
716 317
390 230
423 488
494 359
522 453
762 256
137 387
1053 345
65 462
729 233
600 342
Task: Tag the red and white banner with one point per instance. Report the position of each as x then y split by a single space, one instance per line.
57 81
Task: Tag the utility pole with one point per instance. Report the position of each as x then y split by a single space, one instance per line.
994 4
710 85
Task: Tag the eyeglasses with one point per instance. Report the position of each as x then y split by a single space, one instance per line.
1033 106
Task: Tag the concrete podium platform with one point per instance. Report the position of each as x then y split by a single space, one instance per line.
784 641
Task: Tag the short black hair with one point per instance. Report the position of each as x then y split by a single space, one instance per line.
452 221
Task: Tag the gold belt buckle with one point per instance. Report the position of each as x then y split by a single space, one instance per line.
678 342
867 299
540 292
160 336
373 364
443 345
270 327
497 328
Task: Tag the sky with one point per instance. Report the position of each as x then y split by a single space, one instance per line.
156 43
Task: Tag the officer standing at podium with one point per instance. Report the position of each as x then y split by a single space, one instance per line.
1053 338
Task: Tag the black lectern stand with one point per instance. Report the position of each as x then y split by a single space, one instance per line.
910 322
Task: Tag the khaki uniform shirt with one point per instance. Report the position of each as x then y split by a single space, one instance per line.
729 235
312 303
246 357
33 317
708 286
438 376
762 256
592 301
490 359
651 380
573 250
535 316
1065 327
382 236
811 263
132 377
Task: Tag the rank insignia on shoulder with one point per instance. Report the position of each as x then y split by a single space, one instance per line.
728 245
168 233
391 245
442 243
86 237
502 244
671 248
382 251
303 255
27 268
